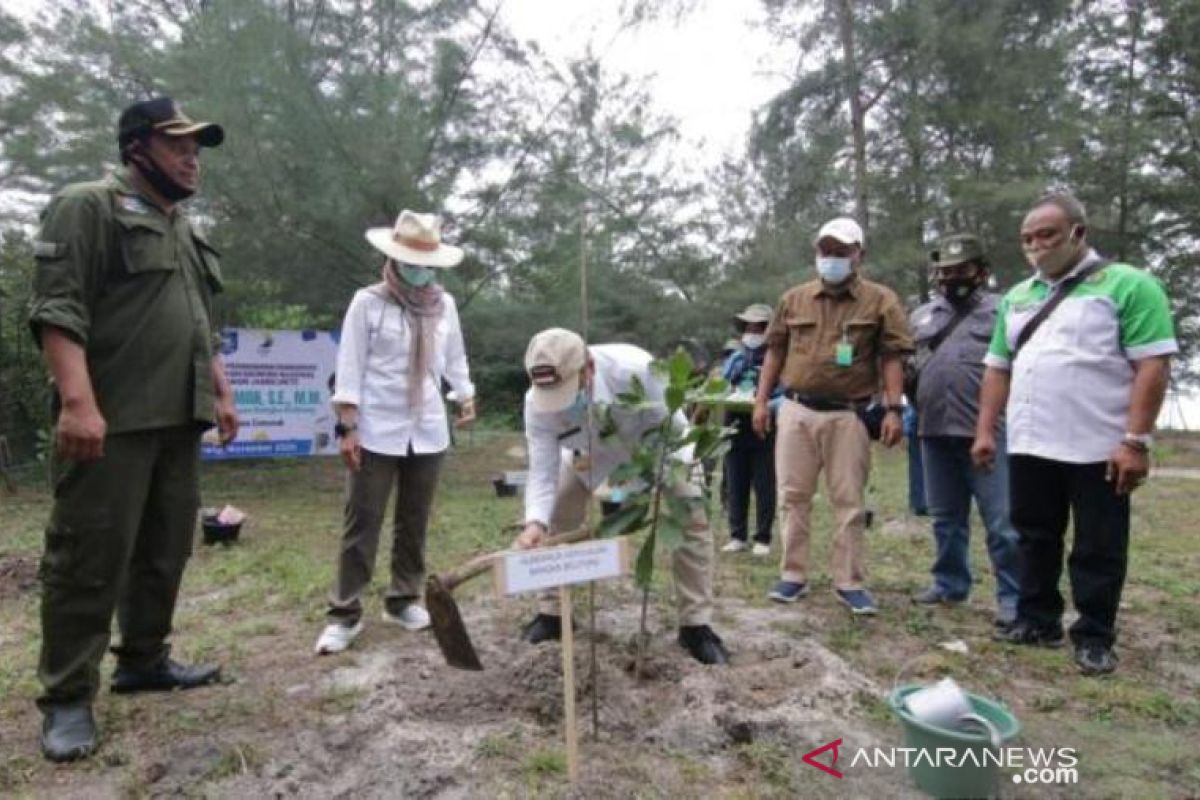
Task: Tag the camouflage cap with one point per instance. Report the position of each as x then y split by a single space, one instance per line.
163 115
957 248
755 312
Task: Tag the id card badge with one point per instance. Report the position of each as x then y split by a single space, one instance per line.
844 356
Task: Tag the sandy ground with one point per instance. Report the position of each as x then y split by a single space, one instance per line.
417 728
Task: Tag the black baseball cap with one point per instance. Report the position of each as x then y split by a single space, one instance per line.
163 115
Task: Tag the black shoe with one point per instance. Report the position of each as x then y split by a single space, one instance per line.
68 732
1095 659
703 644
1021 632
168 674
543 628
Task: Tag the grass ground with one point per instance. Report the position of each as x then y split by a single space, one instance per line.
256 608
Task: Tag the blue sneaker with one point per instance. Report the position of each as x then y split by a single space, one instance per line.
857 600
787 591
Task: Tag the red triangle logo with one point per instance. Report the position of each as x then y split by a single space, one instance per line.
810 758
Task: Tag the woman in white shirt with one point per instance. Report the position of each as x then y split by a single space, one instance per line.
401 337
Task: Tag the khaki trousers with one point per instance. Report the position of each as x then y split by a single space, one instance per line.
692 562
415 477
808 441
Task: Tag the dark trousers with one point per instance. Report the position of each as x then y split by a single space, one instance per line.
119 536
1043 495
750 464
918 497
415 477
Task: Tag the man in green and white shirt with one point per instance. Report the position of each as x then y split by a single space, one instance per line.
1080 399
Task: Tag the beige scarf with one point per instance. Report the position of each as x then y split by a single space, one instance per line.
422 307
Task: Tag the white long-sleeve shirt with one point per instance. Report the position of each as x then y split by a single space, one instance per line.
550 437
372 374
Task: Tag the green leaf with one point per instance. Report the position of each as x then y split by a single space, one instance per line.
644 569
629 471
675 397
630 518
681 367
670 531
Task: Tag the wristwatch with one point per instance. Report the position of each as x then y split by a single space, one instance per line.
1138 441
340 429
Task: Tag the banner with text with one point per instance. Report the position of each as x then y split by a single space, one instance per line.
282 382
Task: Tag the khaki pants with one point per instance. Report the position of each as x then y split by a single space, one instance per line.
415 477
692 562
119 536
808 441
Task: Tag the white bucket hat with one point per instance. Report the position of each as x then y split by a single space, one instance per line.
416 239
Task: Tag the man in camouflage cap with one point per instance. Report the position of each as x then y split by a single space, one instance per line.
952 333
122 309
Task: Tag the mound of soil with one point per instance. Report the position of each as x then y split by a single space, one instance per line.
418 728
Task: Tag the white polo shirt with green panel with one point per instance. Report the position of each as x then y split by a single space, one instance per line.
1071 383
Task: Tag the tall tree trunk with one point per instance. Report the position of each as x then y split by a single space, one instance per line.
1133 10
857 114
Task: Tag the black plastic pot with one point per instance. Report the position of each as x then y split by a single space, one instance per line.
220 533
504 489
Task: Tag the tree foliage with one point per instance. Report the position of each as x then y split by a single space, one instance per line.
339 113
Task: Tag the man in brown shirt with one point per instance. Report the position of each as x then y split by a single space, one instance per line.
833 341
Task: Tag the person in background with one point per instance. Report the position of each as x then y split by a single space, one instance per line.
571 387
122 309
400 338
833 342
1082 391
750 462
952 332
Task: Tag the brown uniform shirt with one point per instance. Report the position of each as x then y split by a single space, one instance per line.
810 323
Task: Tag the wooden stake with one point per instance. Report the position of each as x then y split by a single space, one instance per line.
568 662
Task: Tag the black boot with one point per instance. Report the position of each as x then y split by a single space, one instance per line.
164 676
543 628
68 732
703 644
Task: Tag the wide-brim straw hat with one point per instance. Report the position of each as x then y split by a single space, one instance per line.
415 239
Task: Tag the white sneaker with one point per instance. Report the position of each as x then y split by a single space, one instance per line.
337 637
761 549
734 546
412 617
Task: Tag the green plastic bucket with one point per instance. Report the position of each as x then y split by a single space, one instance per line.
961 779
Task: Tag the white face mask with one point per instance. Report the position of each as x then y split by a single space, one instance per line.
753 340
833 269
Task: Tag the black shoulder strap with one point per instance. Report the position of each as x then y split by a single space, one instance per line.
936 340
1060 293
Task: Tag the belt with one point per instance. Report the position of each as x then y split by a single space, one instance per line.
825 403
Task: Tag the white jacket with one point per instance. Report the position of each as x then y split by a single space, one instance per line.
372 374
550 437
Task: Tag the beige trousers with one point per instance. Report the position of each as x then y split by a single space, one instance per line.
692 562
808 441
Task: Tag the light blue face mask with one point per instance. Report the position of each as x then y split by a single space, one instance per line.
833 269
416 276
578 408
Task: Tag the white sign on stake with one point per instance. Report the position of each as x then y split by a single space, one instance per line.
520 571
531 570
